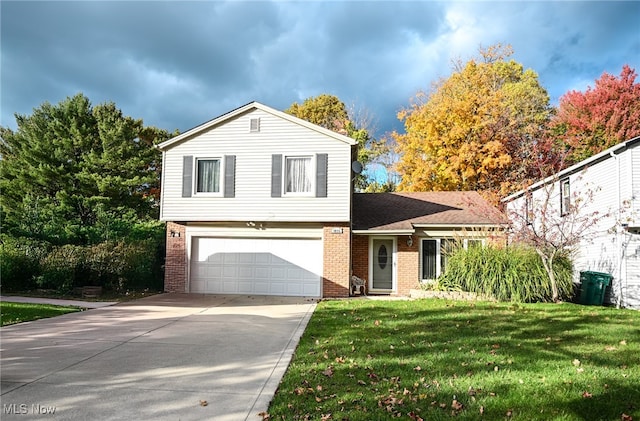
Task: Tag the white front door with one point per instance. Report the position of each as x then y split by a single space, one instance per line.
382 264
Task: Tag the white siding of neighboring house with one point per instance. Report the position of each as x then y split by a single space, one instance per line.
253 152
615 186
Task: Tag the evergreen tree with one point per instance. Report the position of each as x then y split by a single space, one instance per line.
70 167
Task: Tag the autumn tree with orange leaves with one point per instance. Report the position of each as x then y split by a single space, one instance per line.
480 129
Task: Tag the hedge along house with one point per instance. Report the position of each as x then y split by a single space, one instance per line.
401 239
260 202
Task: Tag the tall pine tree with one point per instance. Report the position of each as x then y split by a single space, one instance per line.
70 166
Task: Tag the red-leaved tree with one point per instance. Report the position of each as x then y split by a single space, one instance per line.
605 115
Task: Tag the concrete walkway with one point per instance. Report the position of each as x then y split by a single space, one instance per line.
57 302
164 357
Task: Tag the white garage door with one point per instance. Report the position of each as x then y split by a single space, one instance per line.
259 266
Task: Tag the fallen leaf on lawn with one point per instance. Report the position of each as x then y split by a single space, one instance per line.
377 323
362 383
340 360
392 347
319 388
481 410
610 348
328 372
443 405
457 406
417 368
414 416
587 395
496 368
576 362
580 370
204 403
509 413
318 399
626 417
325 417
623 342
265 416
495 346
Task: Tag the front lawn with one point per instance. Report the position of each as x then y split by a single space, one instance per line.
436 359
11 313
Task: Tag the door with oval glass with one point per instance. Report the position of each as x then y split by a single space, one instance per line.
382 264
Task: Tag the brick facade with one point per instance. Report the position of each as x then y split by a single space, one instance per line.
408 265
360 257
408 262
175 267
336 260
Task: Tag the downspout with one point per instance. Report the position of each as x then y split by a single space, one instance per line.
619 235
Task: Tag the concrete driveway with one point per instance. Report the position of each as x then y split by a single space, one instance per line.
165 357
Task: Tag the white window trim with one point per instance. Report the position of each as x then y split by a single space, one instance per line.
219 193
312 190
438 241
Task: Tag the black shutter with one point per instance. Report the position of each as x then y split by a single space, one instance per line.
321 175
229 176
276 175
187 175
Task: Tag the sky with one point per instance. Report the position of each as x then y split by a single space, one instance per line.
177 64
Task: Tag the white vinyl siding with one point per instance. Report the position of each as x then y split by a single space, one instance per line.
253 160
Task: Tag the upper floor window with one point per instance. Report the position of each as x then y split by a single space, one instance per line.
565 196
208 175
298 174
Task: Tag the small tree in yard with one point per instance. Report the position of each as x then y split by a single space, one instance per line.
554 221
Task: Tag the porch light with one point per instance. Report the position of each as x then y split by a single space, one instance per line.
410 241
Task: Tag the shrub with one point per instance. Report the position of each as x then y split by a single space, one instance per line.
62 268
507 274
20 262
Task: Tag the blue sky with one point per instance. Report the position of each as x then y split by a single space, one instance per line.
178 64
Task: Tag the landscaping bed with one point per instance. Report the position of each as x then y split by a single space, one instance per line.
441 359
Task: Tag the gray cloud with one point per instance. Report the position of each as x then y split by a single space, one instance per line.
178 64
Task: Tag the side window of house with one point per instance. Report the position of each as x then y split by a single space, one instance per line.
528 217
565 196
429 248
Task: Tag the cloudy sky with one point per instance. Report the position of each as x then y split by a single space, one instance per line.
177 64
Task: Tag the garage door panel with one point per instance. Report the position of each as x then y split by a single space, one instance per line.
256 266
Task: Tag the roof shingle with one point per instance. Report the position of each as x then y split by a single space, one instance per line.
403 211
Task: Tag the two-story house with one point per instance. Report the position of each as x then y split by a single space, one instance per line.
607 185
260 202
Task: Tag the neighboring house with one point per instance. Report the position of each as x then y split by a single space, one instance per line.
260 202
608 183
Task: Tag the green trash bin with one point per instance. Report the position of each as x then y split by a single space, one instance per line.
593 286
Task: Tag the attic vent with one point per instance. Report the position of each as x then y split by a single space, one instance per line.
254 125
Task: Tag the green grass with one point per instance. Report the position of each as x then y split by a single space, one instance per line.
436 360
12 313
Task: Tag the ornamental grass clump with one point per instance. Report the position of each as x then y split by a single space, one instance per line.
507 274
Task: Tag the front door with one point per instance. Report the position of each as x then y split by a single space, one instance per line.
382 265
